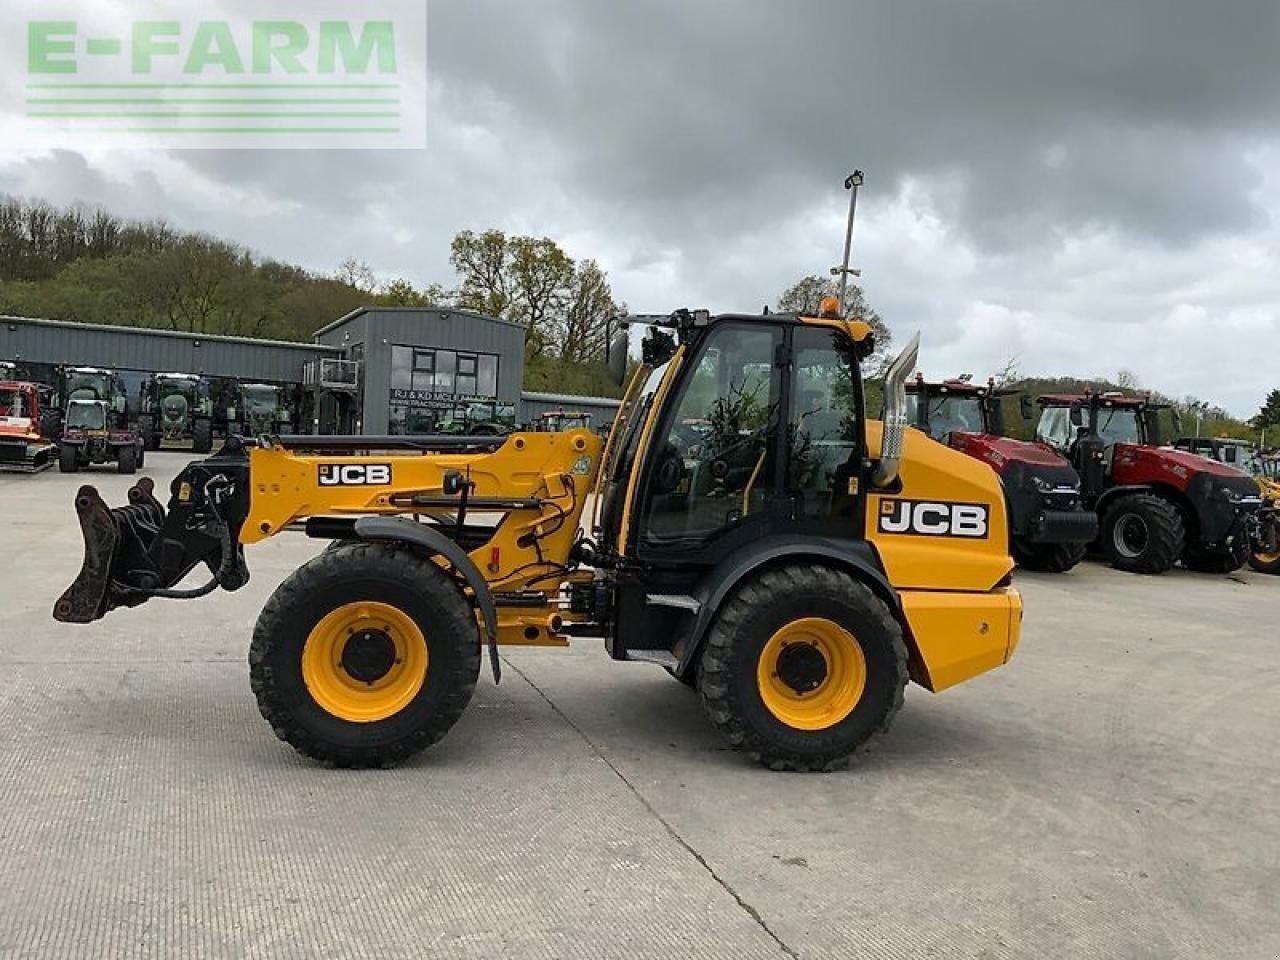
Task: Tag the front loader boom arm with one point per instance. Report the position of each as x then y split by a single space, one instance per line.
514 504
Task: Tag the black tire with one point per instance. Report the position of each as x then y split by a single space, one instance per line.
150 435
142 456
373 573
1142 534
68 459
1223 560
202 437
127 460
1265 562
752 615
1047 557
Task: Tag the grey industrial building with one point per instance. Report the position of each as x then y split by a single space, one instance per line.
376 370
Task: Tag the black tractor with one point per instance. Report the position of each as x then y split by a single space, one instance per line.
176 408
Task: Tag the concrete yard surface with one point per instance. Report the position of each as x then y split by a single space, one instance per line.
1112 793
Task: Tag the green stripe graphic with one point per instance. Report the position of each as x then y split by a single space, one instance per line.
240 100
299 114
214 86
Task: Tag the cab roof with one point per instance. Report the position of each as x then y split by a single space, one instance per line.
965 388
1104 400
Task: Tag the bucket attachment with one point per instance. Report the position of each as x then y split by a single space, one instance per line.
141 551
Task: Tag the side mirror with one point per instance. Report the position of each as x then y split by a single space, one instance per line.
616 359
1077 417
1024 405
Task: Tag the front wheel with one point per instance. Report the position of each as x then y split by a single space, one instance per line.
366 655
68 459
1142 534
803 666
1047 557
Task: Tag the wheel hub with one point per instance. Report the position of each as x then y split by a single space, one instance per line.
802 667
1131 536
811 673
369 655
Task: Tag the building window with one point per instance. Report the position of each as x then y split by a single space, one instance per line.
430 387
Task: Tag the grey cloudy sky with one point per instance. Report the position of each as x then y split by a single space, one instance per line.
1084 186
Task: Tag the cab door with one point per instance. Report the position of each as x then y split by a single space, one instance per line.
710 479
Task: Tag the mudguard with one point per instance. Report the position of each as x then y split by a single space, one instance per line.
857 557
433 541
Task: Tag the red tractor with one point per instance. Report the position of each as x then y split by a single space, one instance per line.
1049 529
1155 504
24 445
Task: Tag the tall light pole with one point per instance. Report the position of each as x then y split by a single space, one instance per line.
851 183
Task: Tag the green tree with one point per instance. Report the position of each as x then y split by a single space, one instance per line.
565 306
1269 415
805 297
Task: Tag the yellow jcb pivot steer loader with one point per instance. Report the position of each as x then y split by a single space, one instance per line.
753 533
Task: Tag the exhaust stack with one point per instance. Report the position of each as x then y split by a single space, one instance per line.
895 413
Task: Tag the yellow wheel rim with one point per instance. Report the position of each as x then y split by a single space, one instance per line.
811 673
364 661
1267 558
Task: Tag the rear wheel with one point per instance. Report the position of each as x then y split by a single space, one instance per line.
127 459
364 656
1047 557
802 667
202 436
68 459
1142 534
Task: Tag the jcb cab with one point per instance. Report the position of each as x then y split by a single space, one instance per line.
755 535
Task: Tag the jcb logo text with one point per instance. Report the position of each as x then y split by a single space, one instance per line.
355 474
930 518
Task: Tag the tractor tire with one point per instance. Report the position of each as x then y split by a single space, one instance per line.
802 667
1265 562
364 656
202 437
142 456
127 460
1142 534
1047 557
68 459
1225 560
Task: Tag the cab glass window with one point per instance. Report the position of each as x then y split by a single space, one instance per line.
826 423
713 465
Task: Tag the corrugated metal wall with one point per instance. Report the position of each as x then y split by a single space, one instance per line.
129 348
533 405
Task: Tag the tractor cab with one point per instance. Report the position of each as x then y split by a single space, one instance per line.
87 416
1156 504
957 406
259 410
1049 529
